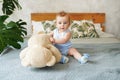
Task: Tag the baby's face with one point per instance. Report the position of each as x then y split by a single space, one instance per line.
62 23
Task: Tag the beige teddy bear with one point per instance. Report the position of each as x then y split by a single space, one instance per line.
40 52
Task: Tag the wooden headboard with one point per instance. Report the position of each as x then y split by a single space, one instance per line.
96 17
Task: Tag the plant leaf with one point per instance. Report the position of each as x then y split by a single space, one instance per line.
3 18
9 6
11 34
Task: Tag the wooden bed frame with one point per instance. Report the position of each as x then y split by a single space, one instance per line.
96 17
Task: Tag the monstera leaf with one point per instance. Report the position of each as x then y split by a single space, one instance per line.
9 6
11 33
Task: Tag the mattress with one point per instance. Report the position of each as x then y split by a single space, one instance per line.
98 42
103 64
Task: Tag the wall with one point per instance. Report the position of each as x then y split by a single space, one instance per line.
110 7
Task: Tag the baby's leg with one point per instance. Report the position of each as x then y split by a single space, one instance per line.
74 52
82 59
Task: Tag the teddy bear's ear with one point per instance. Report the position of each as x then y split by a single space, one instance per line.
41 32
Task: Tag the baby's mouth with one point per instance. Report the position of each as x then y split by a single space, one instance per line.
62 28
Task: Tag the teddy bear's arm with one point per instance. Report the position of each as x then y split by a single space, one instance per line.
55 52
51 62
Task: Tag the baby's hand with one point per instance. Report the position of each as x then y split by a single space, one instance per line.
52 39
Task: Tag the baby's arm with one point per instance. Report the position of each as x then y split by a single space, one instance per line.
64 39
51 37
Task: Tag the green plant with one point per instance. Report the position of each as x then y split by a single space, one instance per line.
9 6
12 32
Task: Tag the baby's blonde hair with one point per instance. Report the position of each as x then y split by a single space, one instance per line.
62 14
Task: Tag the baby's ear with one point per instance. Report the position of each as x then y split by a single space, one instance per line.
41 32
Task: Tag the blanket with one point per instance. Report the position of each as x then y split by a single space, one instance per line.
103 64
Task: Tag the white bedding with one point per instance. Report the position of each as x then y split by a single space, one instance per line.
103 40
106 40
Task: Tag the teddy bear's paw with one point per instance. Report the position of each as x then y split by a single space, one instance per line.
51 62
25 62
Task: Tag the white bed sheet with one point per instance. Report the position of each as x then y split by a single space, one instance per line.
103 40
106 40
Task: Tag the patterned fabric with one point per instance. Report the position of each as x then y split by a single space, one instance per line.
79 29
83 29
48 25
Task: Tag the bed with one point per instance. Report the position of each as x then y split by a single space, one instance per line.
103 63
97 18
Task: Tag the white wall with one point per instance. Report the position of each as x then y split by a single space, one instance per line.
110 7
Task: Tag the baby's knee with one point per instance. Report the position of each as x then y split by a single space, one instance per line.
71 51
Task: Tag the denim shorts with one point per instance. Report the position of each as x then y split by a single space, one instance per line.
63 49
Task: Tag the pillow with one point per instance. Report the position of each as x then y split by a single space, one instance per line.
105 34
100 32
37 27
79 29
83 29
48 25
98 27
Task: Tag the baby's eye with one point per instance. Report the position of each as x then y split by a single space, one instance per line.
65 22
59 22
